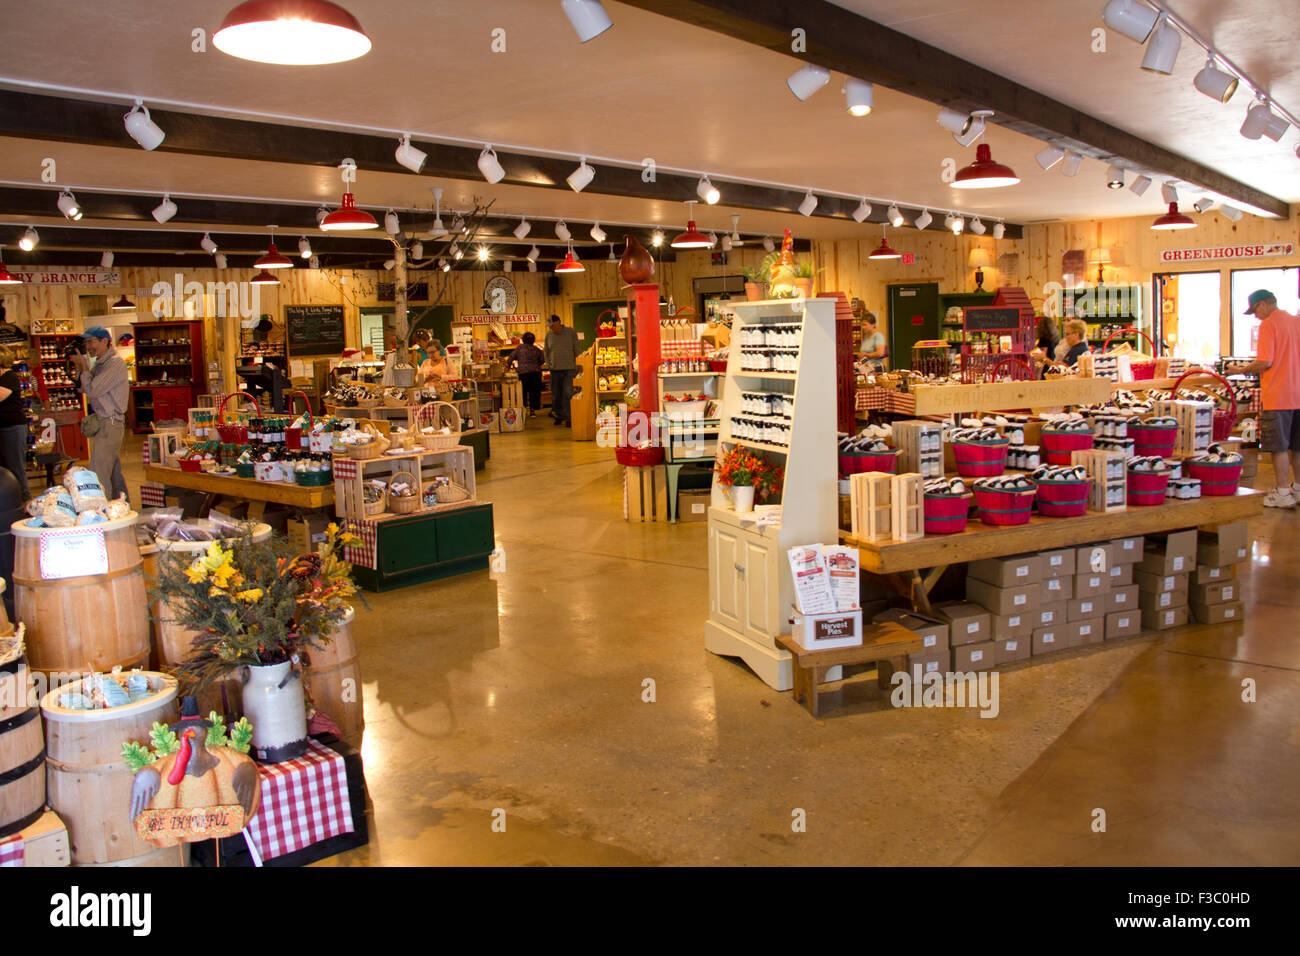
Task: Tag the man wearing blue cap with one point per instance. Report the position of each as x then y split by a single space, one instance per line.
105 387
1278 364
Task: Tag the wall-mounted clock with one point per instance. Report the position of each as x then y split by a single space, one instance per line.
501 296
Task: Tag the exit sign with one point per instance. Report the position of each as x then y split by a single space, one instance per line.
907 258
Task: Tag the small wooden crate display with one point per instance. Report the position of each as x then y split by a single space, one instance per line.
869 495
645 493
1195 423
921 447
907 507
1107 470
349 476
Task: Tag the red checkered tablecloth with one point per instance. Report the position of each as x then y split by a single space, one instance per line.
362 553
304 801
11 850
884 400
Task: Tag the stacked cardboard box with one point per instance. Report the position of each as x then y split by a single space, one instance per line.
1215 593
1162 578
934 635
970 633
1123 612
1010 590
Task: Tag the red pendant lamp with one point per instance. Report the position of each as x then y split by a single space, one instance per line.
1174 219
264 278
886 251
348 217
570 264
123 304
692 238
984 173
291 33
273 259
7 277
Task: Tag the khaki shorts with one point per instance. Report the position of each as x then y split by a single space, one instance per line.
1279 430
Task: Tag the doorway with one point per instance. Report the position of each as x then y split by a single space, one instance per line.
913 317
1283 283
1187 321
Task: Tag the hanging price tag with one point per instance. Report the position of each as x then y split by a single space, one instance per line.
73 553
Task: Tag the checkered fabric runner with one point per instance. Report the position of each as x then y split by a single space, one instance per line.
363 553
153 495
304 801
11 850
679 349
346 469
884 400
144 452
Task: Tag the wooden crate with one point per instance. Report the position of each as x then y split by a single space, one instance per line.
920 444
1195 423
870 495
645 493
45 842
455 463
1107 470
907 507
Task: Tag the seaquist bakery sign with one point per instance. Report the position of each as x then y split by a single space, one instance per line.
70 277
1256 250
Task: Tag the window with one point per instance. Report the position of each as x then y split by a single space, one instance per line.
1283 283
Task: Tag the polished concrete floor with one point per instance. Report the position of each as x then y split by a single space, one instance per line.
521 699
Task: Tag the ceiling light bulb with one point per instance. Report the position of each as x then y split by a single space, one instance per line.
417 250
948 220
808 205
391 224
923 220
1130 18
1049 156
165 209
657 238
389 264
458 253
291 33
581 177
410 157
588 18
562 231
597 234
314 262
862 212
768 244
707 191
482 253
1073 161
1162 51
533 253
893 215
68 205
488 165
207 245
106 260
958 224
1203 205
1168 192
1215 83
859 96
1115 177
523 229
999 230
446 266
219 260
1140 184
30 240
321 213
977 226
304 247
807 80
142 128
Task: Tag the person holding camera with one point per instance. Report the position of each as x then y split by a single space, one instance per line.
105 387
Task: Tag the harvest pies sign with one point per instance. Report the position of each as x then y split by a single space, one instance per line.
1251 251
68 277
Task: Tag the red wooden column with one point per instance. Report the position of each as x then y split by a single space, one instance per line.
643 340
845 377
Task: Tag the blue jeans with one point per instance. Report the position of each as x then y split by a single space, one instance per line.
13 453
561 392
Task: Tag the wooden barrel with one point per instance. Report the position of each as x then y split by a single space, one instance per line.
87 782
22 745
89 623
334 678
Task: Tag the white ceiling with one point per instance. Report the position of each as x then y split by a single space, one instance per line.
692 99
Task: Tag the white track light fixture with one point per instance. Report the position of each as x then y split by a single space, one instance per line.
726 242
410 157
417 250
208 245
947 221
581 177
769 245
1140 185
1276 127
707 191
958 225
444 265
523 229
532 266
106 260
1073 162
1115 177
859 96
1168 192
923 221
1214 83
219 260
30 240
457 252
68 205
313 262
389 264
533 253
713 239
488 165
1049 156
392 225
1257 117
1162 51
735 230
588 18
597 234
999 230
562 231
321 213
507 266
893 215
612 257
965 127
1129 17
1203 205
304 247
862 212
1231 212
808 205
142 128
977 226
807 80
482 253
165 209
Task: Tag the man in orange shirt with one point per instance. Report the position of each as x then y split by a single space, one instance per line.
1278 362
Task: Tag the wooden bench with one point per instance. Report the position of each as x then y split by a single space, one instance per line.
882 644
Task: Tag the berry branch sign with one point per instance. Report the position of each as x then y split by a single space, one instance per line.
73 553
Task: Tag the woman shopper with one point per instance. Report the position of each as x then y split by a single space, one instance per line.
13 426
527 360
874 352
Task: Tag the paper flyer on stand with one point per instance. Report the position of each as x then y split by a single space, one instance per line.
842 566
812 585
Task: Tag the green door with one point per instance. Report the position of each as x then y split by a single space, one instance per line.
465 534
913 317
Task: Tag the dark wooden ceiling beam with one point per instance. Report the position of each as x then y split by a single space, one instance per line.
35 116
841 40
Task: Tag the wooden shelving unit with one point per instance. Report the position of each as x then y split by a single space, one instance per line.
170 371
751 593
60 394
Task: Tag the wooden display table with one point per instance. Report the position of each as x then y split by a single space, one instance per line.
247 489
881 643
900 563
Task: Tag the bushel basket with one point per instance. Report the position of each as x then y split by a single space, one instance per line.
1152 441
1147 488
946 514
981 459
854 463
1063 499
1059 445
1216 477
1004 507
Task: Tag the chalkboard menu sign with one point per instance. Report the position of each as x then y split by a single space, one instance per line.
990 319
315 329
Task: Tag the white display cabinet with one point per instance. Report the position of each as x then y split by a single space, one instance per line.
751 592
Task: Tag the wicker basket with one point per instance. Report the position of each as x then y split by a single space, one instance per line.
399 505
449 492
390 402
377 445
440 410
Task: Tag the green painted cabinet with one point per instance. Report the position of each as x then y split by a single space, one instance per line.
427 547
